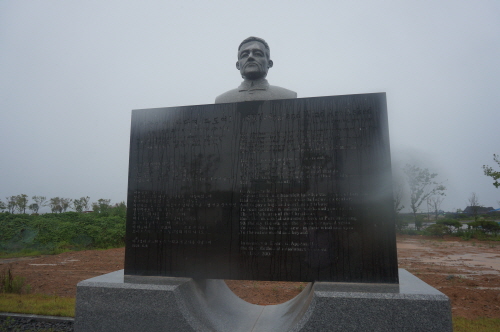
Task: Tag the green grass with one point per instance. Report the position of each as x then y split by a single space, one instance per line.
37 304
22 253
301 286
38 253
461 324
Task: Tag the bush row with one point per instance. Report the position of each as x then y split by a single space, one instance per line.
53 232
480 229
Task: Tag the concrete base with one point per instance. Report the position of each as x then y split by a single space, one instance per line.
108 303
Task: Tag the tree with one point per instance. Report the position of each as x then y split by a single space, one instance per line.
34 207
40 202
450 224
474 205
81 204
119 209
489 171
437 230
65 202
11 203
490 226
428 208
487 226
397 189
435 204
21 203
55 204
3 206
101 206
422 185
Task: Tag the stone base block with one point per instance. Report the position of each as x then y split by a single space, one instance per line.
113 302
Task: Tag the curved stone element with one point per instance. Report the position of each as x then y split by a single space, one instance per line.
209 305
107 303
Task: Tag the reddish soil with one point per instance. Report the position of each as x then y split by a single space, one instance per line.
467 271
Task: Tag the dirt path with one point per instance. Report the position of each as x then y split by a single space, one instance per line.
59 274
467 271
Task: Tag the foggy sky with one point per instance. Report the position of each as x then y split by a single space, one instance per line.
72 71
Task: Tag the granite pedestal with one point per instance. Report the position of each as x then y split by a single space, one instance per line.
113 302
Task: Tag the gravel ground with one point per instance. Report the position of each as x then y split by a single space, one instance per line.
16 322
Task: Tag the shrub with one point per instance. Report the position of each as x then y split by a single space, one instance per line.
487 226
437 230
465 234
13 284
451 224
57 232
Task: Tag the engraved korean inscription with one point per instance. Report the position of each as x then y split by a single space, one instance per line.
294 189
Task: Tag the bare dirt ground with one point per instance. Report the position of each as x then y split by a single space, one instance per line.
467 271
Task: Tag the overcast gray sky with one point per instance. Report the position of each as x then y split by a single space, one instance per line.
72 71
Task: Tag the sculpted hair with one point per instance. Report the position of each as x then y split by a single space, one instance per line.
257 39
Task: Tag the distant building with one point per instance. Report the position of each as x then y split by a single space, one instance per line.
480 210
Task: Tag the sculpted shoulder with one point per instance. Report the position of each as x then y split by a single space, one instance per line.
227 97
271 93
282 93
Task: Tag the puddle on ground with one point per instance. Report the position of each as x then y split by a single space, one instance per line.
16 259
483 260
407 245
486 287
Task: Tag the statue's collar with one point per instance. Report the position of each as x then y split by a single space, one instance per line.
249 85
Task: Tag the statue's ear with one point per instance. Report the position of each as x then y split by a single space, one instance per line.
238 65
269 63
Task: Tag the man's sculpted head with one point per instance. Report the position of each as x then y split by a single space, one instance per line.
253 58
253 63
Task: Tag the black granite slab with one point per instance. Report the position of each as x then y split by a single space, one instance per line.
294 189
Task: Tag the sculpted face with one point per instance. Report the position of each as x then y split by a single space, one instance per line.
253 62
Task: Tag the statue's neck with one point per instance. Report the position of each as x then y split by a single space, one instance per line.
258 84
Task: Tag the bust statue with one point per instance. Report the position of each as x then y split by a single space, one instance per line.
253 63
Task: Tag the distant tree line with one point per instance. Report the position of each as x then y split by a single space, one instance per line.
21 203
423 187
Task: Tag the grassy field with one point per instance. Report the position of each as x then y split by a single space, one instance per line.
37 304
461 324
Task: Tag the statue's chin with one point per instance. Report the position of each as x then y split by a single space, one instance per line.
253 76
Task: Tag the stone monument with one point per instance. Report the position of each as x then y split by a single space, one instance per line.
262 186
